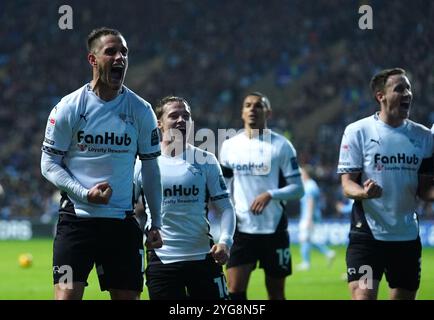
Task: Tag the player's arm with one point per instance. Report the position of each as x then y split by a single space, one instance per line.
353 190
53 171
220 199
350 167
425 189
139 198
293 186
291 191
152 190
220 251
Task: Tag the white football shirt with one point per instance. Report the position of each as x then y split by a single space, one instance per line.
187 186
99 142
391 157
258 164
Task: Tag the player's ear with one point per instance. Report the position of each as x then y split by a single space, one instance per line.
379 96
159 124
92 59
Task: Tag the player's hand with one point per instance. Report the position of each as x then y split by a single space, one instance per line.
100 193
260 203
153 239
372 189
220 253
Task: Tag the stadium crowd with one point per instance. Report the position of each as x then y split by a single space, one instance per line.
313 62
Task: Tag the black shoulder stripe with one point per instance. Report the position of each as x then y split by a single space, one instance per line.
427 166
227 172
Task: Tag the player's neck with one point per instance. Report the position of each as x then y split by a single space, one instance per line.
391 121
103 91
252 132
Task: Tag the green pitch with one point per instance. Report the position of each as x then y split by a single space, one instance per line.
321 282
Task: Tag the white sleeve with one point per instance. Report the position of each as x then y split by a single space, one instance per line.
293 190
52 170
350 154
227 221
152 189
59 128
148 144
288 166
219 196
137 180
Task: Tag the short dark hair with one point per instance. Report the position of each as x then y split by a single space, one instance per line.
159 111
378 81
95 34
261 95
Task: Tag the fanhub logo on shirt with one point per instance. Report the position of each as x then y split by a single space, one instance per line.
179 190
399 158
107 138
251 168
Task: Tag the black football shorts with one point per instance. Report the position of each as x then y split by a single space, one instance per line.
198 279
271 250
400 261
114 246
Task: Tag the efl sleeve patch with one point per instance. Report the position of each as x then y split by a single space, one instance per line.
294 163
155 137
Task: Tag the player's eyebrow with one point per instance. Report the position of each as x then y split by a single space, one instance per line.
401 86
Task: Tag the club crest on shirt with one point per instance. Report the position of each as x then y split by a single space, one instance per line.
194 169
415 143
126 118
